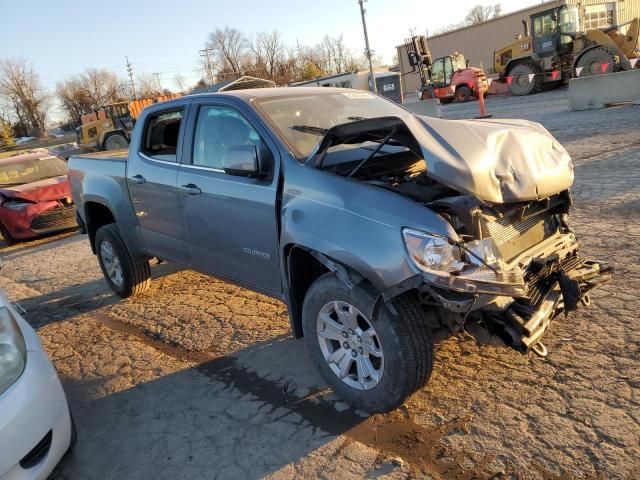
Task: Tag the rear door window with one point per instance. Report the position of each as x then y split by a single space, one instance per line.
160 140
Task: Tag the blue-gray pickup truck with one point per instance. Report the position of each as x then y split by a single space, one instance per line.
378 228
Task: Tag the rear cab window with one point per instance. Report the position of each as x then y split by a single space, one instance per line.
161 134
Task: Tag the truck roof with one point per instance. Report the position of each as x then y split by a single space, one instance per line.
249 93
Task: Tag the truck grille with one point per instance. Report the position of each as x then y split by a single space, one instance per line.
59 217
513 236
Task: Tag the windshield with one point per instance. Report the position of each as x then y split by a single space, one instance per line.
302 120
29 171
569 20
459 62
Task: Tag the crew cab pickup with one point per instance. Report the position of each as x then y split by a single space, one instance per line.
375 226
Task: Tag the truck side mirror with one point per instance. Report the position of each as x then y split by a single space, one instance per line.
242 161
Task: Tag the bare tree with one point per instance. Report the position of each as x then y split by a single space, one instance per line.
479 14
229 45
20 86
88 91
147 85
178 81
101 86
273 47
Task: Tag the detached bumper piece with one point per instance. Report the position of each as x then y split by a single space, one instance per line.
552 287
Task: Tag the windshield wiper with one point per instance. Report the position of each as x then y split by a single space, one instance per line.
375 151
309 129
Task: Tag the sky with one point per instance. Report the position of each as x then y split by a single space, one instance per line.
63 37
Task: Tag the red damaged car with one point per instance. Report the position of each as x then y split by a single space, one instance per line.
35 196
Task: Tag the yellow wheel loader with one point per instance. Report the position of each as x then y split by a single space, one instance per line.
107 129
558 45
110 127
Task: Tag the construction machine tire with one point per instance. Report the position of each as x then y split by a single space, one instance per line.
520 84
115 142
591 62
463 94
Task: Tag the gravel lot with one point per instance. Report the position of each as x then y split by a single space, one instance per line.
201 379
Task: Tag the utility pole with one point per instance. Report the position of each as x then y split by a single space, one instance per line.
157 75
367 51
133 84
206 55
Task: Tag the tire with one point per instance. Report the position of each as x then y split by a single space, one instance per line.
125 277
520 84
396 351
115 142
591 62
463 94
8 238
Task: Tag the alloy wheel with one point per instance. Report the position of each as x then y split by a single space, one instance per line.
350 345
111 263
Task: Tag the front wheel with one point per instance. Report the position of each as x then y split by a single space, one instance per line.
463 94
525 79
374 361
124 276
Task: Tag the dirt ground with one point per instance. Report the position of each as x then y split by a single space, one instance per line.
201 379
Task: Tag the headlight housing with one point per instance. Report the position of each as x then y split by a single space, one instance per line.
473 267
432 253
13 351
16 205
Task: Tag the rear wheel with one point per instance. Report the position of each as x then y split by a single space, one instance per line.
592 62
374 362
115 142
124 276
522 83
463 94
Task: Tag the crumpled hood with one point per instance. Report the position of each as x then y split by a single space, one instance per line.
42 191
498 161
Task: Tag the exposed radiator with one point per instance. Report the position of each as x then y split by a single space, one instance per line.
513 236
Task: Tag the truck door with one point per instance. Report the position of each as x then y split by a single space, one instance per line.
154 156
230 222
545 34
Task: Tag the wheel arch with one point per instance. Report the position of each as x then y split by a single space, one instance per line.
612 49
517 61
96 215
303 266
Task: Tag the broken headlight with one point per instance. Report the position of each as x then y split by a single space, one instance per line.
474 267
432 253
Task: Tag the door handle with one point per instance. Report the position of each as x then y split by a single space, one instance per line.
191 189
139 179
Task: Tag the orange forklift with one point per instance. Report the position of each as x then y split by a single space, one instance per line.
446 78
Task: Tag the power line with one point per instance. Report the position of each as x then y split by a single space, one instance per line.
206 55
157 74
133 84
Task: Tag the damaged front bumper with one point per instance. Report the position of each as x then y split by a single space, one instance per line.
519 308
553 287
